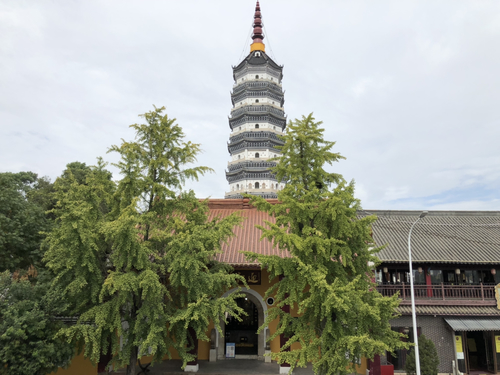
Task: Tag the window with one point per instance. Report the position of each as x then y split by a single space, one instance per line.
256 100
238 188
263 185
471 277
257 76
436 276
256 185
418 277
249 186
239 156
271 78
257 54
257 155
256 126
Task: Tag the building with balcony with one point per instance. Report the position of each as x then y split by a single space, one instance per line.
456 270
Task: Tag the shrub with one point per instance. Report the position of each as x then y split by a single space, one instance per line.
429 360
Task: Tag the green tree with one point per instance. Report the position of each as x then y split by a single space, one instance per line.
22 219
28 328
429 359
75 172
42 195
327 277
137 257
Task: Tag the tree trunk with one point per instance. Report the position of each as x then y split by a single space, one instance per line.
131 368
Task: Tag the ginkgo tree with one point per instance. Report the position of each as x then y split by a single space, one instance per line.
326 299
136 257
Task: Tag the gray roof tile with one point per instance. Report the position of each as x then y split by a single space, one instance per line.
451 310
440 237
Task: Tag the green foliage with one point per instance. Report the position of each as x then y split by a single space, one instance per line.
23 200
74 172
429 359
27 328
327 279
136 257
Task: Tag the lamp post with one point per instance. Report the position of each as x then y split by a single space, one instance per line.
413 312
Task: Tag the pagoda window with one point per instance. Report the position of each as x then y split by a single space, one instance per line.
256 185
257 76
256 126
237 186
256 100
239 156
256 155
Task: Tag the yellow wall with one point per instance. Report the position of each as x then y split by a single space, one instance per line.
361 369
79 366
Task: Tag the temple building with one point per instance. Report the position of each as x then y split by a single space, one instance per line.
257 120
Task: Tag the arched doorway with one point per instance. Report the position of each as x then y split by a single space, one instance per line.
243 333
261 310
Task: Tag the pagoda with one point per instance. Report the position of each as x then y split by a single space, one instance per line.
257 120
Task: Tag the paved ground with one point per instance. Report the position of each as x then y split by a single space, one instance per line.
225 367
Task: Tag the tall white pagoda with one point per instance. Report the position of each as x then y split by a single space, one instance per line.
257 120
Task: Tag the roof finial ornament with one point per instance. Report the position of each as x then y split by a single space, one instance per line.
257 44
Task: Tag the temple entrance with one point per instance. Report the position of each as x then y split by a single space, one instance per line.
244 334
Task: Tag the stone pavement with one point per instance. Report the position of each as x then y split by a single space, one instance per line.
224 367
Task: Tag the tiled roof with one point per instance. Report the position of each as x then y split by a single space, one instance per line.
440 237
247 237
451 310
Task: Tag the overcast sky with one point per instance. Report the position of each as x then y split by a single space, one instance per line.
409 90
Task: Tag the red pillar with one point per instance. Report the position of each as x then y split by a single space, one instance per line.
428 282
375 365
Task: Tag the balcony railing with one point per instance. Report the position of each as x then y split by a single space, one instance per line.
478 292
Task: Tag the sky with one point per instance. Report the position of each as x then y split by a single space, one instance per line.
408 90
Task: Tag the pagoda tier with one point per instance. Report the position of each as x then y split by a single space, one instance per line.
257 122
235 123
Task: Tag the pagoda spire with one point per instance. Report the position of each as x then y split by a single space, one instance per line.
257 44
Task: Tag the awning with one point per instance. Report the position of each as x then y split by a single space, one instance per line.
472 324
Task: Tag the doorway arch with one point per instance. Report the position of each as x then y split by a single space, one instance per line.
261 306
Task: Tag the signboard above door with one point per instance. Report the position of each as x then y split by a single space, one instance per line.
251 277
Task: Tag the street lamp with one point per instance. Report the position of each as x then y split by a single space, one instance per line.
413 312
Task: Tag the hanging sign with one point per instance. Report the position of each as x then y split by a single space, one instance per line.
458 343
497 343
251 277
497 295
